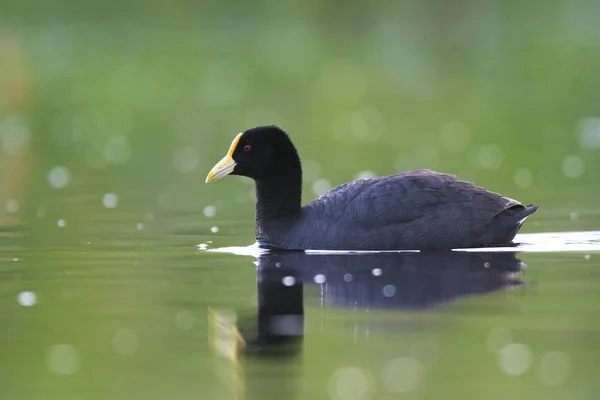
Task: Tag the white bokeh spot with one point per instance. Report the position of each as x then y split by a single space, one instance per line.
59 176
27 299
63 359
515 359
289 280
554 368
110 200
210 211
573 167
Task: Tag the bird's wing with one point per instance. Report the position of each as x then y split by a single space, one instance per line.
405 197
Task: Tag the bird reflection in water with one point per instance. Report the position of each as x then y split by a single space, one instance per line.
364 280
392 281
278 326
275 331
401 280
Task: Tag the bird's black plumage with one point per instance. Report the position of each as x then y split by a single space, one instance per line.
420 209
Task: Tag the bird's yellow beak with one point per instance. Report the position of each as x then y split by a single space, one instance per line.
226 165
223 168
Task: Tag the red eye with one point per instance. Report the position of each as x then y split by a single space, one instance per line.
247 147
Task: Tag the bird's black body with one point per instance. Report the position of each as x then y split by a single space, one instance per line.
420 210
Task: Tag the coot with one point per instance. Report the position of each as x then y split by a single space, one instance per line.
417 210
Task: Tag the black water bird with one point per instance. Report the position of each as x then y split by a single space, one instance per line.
418 210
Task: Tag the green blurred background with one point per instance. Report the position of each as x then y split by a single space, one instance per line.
112 113
149 95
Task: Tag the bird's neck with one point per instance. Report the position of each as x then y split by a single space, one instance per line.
278 197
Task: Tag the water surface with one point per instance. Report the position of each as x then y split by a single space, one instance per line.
140 314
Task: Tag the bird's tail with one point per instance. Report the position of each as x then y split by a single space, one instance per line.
507 223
